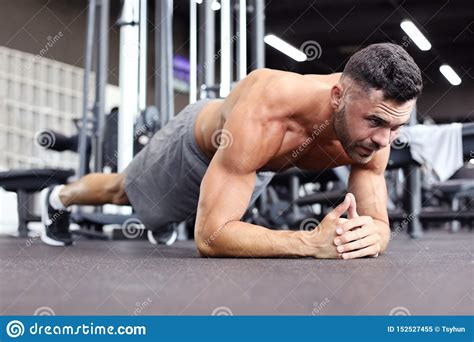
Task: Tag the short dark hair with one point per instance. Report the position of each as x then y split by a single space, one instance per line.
387 67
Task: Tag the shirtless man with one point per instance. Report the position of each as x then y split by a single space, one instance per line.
216 157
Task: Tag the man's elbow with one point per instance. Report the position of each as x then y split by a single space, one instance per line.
205 240
205 249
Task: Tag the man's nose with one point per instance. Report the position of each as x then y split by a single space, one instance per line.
381 138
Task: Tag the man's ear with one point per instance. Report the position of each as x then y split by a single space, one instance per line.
336 96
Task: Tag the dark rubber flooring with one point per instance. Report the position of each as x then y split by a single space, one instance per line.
430 276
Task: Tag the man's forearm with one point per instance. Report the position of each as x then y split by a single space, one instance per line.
241 239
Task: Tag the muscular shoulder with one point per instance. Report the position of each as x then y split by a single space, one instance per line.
283 92
277 82
259 95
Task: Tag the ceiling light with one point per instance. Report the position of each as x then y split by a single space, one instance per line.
418 38
450 74
285 48
215 6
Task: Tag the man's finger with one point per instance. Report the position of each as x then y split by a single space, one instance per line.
358 244
372 251
341 208
354 223
352 211
341 221
353 235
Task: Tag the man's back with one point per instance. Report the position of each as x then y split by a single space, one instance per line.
300 104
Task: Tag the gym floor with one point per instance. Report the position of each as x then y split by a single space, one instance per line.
428 276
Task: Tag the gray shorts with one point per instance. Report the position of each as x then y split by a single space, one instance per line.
163 180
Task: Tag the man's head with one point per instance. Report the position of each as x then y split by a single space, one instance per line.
374 98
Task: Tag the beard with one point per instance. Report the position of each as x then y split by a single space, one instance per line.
343 135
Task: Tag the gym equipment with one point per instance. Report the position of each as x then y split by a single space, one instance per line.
101 141
193 49
113 144
124 140
206 55
164 98
257 32
226 67
148 123
98 11
457 192
413 200
27 182
202 64
110 140
61 143
281 205
401 158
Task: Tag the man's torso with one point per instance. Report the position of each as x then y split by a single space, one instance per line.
304 145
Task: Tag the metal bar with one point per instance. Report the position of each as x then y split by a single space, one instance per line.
440 215
23 212
231 40
164 95
101 81
128 81
258 34
201 23
209 45
468 129
226 65
143 49
413 201
157 61
413 197
169 58
192 51
242 39
85 100
294 195
163 64
96 151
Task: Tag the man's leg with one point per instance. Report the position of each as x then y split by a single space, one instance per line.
95 189
92 189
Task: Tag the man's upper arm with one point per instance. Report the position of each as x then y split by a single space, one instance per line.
367 183
226 189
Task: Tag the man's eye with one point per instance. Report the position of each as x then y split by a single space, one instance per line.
374 122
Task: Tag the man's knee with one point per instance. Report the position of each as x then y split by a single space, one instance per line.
116 190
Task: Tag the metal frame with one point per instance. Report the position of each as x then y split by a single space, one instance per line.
226 52
242 40
143 50
128 80
258 35
413 195
101 81
164 89
202 74
209 45
97 37
192 51
89 43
